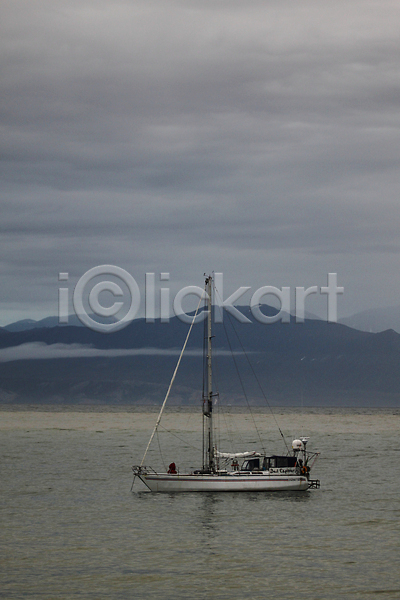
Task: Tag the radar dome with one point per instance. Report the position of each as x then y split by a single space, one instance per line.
297 445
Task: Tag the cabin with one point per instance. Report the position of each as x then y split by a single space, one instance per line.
269 462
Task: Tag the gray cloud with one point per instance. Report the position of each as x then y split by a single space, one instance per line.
258 139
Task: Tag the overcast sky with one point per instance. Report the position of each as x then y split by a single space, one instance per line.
260 139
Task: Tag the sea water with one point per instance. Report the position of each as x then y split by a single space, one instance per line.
72 528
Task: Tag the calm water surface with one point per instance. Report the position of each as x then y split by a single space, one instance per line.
71 528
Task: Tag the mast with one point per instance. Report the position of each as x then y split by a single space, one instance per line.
207 400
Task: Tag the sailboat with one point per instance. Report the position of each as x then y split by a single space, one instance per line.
250 471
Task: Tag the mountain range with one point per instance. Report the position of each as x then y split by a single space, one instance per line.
375 320
312 363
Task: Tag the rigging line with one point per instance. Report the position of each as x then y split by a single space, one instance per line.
233 432
217 404
179 438
243 389
172 379
161 454
240 379
223 410
218 429
204 387
232 438
258 382
204 357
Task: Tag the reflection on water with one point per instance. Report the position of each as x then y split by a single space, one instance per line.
207 513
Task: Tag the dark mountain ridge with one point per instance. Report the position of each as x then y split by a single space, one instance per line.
324 363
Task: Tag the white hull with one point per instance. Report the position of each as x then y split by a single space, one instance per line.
160 482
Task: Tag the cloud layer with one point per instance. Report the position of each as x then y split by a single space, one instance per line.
42 351
260 139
